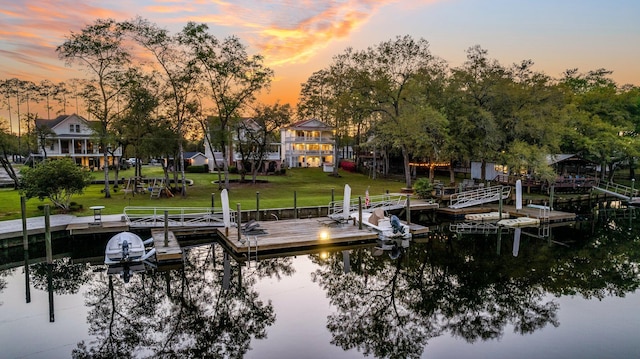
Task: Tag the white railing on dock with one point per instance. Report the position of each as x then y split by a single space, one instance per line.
618 190
386 201
479 196
476 228
176 217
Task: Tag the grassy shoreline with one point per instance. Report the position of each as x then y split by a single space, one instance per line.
312 187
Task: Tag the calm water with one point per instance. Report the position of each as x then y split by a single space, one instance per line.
565 292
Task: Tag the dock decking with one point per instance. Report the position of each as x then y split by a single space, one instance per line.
170 252
547 216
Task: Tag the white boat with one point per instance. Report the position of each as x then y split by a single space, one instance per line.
126 247
387 227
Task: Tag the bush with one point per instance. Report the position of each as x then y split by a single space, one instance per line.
423 187
197 169
348 166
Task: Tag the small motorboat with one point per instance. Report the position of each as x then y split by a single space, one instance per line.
387 227
127 247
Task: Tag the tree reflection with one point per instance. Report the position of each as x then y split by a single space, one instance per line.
391 309
67 277
182 313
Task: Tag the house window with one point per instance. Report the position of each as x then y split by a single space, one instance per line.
78 128
71 127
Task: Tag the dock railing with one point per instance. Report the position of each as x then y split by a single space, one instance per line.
479 196
618 190
176 217
386 201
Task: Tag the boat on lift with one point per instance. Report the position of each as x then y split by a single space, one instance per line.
127 247
388 228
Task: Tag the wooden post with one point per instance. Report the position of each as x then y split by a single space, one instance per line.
213 202
359 212
239 221
23 210
500 204
333 193
166 228
47 234
295 205
408 209
257 205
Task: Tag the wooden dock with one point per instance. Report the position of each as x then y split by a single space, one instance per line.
91 228
170 252
301 233
548 216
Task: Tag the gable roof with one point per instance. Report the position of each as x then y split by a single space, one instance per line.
189 155
310 124
56 121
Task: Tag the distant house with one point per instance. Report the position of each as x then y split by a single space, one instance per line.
563 164
308 143
195 159
271 158
71 136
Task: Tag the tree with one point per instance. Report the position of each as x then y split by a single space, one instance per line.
58 180
393 69
177 66
256 135
233 77
8 146
603 119
99 48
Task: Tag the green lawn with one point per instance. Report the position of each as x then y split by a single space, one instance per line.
312 187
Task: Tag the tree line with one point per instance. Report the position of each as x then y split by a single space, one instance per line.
153 90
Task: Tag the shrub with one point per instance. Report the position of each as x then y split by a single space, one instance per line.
197 169
348 166
423 187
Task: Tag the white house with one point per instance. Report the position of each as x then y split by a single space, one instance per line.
272 158
72 136
307 143
195 158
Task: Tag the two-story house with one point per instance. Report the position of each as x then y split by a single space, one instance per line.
71 136
307 143
271 158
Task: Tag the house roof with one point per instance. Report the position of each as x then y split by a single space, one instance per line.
310 124
189 155
56 121
564 157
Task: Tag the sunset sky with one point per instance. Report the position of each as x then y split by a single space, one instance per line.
300 37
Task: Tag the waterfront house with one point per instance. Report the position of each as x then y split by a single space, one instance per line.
71 136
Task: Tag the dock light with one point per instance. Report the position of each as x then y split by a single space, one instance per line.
324 235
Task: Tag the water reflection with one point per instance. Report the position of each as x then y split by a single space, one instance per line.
465 284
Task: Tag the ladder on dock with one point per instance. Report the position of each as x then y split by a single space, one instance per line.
479 196
617 190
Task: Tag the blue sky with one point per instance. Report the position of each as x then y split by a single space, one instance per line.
300 37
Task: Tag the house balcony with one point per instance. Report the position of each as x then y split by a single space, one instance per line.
323 139
310 153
